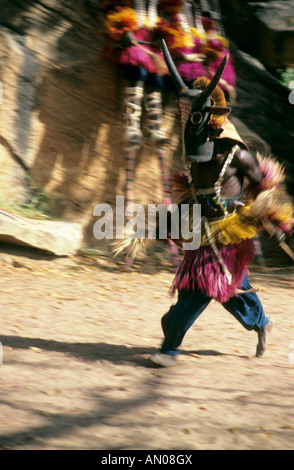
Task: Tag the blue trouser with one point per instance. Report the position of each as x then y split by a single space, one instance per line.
245 307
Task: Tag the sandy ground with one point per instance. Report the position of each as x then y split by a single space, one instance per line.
76 338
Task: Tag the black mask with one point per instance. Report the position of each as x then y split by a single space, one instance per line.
196 108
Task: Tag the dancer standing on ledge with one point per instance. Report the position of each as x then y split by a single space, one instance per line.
134 29
134 45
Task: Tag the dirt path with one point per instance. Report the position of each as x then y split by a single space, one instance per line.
76 335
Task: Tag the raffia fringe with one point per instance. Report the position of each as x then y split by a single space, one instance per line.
128 245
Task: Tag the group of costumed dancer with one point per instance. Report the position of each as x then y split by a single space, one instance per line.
134 32
240 193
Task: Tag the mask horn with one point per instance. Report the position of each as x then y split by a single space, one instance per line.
214 81
180 84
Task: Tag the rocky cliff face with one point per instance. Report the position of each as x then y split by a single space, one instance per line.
263 105
61 118
262 38
264 30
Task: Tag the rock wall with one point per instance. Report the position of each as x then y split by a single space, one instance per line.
262 44
61 114
263 105
264 30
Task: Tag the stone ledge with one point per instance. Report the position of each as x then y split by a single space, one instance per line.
57 237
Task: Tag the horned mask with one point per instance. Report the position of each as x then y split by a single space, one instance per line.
197 107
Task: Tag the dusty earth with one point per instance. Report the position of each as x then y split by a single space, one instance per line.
76 337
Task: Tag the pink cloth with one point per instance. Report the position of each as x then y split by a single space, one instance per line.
201 269
133 55
190 71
